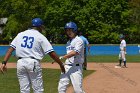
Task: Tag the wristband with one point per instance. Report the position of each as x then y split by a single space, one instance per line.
4 62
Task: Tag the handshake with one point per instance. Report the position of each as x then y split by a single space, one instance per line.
61 58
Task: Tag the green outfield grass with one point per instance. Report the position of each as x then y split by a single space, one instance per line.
99 58
9 82
112 58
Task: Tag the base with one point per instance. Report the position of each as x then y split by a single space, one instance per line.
117 66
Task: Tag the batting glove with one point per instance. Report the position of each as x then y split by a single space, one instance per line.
61 57
125 53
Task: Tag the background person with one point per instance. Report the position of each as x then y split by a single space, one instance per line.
122 54
86 45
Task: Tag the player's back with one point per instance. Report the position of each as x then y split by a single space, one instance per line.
28 44
85 41
122 44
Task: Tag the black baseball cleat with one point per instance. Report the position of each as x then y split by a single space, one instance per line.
118 65
124 66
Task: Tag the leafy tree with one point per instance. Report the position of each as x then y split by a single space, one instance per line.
20 14
101 21
135 22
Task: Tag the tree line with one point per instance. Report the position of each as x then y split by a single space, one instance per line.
101 21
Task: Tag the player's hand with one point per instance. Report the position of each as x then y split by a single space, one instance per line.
53 62
3 68
62 68
61 57
89 52
125 52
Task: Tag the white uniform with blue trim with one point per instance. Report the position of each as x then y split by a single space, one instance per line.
31 43
30 47
122 52
73 67
75 44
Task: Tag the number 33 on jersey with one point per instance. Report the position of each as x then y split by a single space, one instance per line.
28 42
31 43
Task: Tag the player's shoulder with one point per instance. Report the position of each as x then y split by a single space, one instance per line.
25 31
32 32
123 41
35 33
77 38
20 33
83 38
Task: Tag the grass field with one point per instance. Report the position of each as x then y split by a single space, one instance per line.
9 82
112 58
99 58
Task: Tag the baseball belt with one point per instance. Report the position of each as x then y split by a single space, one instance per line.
73 65
28 57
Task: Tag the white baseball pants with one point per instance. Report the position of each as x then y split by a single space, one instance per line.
122 55
29 72
73 73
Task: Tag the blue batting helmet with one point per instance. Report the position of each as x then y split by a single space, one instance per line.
36 22
71 25
121 36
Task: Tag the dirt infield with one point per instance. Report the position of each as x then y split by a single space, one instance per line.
106 79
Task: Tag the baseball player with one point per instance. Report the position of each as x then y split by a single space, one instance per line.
30 47
74 60
122 51
86 44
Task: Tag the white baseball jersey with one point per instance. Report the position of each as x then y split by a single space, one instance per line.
76 44
31 43
122 45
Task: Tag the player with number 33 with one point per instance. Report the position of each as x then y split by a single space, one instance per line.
30 47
